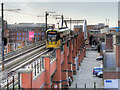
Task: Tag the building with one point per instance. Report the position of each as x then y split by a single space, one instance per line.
109 30
104 30
111 62
78 28
6 33
21 32
119 25
17 34
95 29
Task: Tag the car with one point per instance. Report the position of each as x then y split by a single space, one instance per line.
99 58
96 70
100 74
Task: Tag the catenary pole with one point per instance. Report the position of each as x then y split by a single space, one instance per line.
2 20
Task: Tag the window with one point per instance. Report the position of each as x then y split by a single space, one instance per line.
42 33
17 33
51 37
17 38
20 38
23 38
23 33
38 38
38 33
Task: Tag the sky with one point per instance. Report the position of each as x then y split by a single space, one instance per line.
93 12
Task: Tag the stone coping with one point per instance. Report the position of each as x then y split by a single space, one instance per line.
25 70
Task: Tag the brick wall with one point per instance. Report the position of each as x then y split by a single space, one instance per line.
111 75
118 55
109 43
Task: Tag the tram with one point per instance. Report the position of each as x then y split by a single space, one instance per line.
54 36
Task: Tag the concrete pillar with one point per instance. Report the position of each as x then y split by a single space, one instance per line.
57 75
26 78
47 71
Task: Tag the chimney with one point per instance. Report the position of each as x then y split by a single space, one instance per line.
109 42
117 50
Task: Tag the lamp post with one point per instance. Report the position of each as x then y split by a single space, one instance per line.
2 36
46 14
2 22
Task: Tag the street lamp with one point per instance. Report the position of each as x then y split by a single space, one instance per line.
2 22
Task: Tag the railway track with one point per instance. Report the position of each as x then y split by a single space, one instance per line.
22 50
22 64
14 58
27 60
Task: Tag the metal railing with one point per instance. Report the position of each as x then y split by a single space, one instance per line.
52 56
12 82
94 86
37 66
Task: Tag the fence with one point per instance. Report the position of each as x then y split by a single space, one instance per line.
37 66
52 56
12 82
85 88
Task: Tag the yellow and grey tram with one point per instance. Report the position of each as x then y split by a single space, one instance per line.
53 37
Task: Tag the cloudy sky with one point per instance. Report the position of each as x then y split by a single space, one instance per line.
93 12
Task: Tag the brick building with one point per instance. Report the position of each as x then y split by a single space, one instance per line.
119 25
21 31
95 27
111 61
78 28
16 34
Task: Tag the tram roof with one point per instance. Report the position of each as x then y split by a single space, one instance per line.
60 30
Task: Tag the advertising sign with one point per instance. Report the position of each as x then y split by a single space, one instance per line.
31 35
